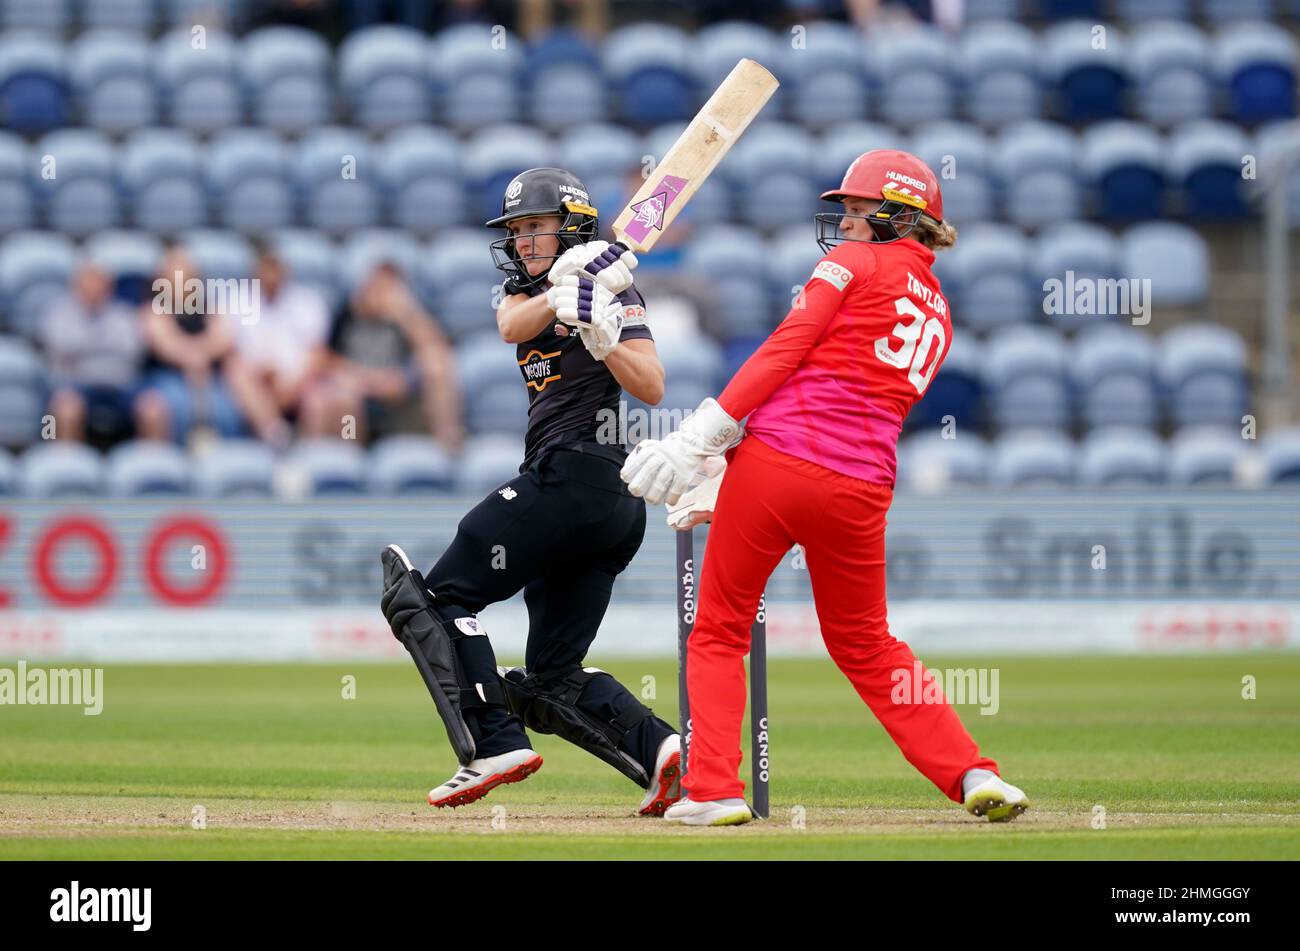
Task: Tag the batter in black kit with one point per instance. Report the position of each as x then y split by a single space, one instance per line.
561 531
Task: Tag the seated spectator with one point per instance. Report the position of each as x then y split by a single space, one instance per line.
278 353
384 350
186 392
94 348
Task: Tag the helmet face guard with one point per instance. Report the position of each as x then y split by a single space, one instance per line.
905 188
577 227
892 221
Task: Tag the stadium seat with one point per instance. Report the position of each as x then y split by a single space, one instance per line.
694 360
730 260
110 73
488 461
1202 369
980 10
1035 164
249 180
986 278
1090 82
483 361
160 171
311 259
465 283
959 154
131 257
1025 373
1121 456
822 77
384 76
770 171
34 93
139 15
22 392
1206 456
597 149
199 84
1113 371
1173 257
147 467
478 70
789 261
910 65
337 180
1233 11
561 96
1274 142
841 144
408 464
235 468
1124 163
286 73
1032 459
35 267
1171 72
48 16
1143 10
1280 451
420 170
58 469
219 254
929 463
80 194
713 202
956 391
17 210
998 73
502 408
1205 159
649 68
492 157
561 46
361 251
327 467
1257 63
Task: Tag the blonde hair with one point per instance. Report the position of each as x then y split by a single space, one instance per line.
937 235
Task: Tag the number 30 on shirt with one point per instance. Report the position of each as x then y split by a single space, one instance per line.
920 338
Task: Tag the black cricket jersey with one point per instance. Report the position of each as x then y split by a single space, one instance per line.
568 388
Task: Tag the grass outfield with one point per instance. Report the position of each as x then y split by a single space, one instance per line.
284 767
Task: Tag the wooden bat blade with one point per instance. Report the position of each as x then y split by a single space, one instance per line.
694 155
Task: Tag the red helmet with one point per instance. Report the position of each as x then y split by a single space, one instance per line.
891 175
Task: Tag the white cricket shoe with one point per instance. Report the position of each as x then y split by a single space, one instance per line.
481 776
666 786
996 800
723 812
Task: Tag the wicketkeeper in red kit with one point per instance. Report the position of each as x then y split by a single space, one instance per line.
823 400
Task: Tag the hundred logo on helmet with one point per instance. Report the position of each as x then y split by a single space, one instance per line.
542 191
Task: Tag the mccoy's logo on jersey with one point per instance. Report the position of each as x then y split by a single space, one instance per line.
537 369
835 274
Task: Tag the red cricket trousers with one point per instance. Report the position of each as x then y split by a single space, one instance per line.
769 501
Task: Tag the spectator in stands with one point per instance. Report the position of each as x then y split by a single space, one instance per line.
385 349
277 355
94 347
186 393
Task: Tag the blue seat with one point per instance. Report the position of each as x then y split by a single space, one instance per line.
81 195
286 73
1034 163
825 48
249 181
147 467
22 392
235 468
199 86
789 261
17 209
998 71
559 46
1113 370
910 65
126 255
312 260
1171 72
459 268
1033 459
218 254
929 463
828 97
488 461
1025 373
1257 64
1202 369
1273 142
1174 257
713 201
161 173
694 358
979 10
420 169
1090 83
1205 158
1121 456
1124 163
140 15
959 154
597 149
649 67
408 464
50 16
60 469
1142 10
362 250
34 90
1280 451
1068 254
35 268
384 76
483 361
1206 456
332 202
564 95
957 390
328 467
986 277
1234 11
715 49
731 258
770 172
110 73
502 408
478 68
841 144
492 157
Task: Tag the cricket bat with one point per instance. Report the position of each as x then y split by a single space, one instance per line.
694 155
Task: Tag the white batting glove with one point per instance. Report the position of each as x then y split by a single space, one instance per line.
609 265
696 505
660 470
576 299
600 336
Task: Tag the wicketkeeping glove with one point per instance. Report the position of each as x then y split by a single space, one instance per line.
696 506
660 470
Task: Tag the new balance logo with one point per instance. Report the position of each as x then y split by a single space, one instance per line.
507 493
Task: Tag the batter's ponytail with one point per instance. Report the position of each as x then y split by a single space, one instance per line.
936 235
